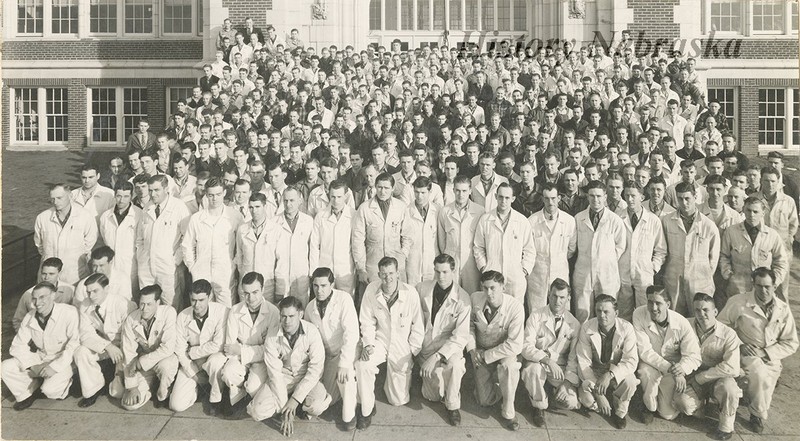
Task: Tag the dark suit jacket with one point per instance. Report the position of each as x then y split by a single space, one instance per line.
205 82
247 33
484 94
107 181
135 142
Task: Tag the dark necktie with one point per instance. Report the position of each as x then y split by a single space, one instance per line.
634 220
97 311
559 322
158 211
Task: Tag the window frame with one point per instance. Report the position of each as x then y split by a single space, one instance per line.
511 20
734 126
41 117
193 27
119 113
788 120
746 21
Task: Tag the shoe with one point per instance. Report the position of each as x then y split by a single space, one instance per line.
350 425
538 417
455 417
302 414
620 422
365 421
89 402
160 404
214 409
511 424
647 416
757 424
26 403
720 435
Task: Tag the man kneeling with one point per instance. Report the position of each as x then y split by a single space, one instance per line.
295 359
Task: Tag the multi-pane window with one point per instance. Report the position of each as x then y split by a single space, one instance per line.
30 16
727 102
455 14
178 16
374 15
768 15
115 113
796 117
503 15
487 15
438 15
39 115
56 111
199 8
520 16
726 15
103 16
423 15
26 113
795 17
390 19
771 116
175 94
65 16
406 15
138 16
471 9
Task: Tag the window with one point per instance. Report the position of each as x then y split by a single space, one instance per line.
487 15
520 16
779 118
795 17
390 8
103 16
374 15
768 16
174 94
503 15
138 16
455 14
406 15
727 101
438 15
30 16
65 16
115 113
199 9
726 15
178 16
39 115
471 9
423 15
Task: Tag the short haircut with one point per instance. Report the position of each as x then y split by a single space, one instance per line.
713 179
684 187
44 285
605 298
290 302
385 177
323 272
53 262
253 277
445 258
98 278
423 182
202 286
151 289
658 290
161 179
763 272
560 284
592 185
103 252
493 276
703 297
123 186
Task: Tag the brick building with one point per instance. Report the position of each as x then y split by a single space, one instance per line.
79 74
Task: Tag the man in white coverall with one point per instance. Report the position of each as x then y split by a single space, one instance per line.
210 240
601 242
332 311
456 231
66 231
497 325
503 242
296 228
118 231
42 349
551 334
200 334
330 239
421 218
392 332
158 242
446 310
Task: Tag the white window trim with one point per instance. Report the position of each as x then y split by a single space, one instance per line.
121 142
463 13
787 146
41 105
168 100
47 23
747 22
735 103
192 29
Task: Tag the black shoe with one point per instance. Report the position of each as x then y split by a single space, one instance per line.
455 417
89 402
160 404
757 424
350 425
511 424
720 435
302 414
620 422
647 416
538 417
26 403
365 421
215 409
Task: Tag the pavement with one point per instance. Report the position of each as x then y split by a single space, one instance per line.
106 420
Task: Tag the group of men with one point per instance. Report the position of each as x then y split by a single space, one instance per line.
328 215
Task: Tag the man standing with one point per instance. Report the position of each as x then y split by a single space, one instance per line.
210 241
669 352
716 376
555 239
392 332
601 242
693 243
485 185
200 330
295 358
329 245
496 339
93 197
446 312
118 231
422 218
456 227
504 242
249 322
148 349
606 361
42 350
66 231
781 211
645 252
295 227
332 311
551 334
766 327
158 241
101 317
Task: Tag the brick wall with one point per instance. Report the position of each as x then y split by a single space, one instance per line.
77 101
751 49
255 9
748 106
655 18
114 49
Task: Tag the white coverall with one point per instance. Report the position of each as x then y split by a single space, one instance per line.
299 239
122 239
266 254
510 251
330 247
208 248
456 232
555 242
419 266
645 252
375 237
71 243
487 200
